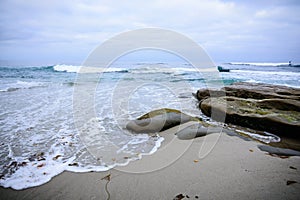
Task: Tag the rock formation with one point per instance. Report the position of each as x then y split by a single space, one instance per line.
271 108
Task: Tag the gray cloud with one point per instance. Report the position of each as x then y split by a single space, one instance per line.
56 31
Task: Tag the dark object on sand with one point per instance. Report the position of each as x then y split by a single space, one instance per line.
221 69
291 182
179 197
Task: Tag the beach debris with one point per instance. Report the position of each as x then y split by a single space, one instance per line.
107 178
56 157
250 150
195 161
277 155
126 157
291 167
17 164
37 157
179 197
290 182
14 166
41 158
29 129
41 165
74 164
21 164
154 135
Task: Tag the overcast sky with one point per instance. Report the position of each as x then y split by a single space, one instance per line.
52 32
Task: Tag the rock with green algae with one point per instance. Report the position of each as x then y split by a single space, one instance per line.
266 107
251 90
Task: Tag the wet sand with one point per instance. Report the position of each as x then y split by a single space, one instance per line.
232 169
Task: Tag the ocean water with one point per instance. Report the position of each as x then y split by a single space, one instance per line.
39 138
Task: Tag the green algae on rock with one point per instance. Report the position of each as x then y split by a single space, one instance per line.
264 107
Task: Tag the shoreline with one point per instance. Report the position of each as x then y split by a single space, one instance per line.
234 169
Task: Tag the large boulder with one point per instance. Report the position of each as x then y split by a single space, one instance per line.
271 108
278 116
251 90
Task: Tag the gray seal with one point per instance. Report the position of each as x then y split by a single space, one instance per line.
196 130
159 120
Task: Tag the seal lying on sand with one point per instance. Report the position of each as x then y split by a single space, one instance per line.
162 119
196 130
159 120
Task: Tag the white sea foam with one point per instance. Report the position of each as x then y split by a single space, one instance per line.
10 87
131 69
67 68
286 78
258 63
86 69
36 172
281 73
267 138
41 124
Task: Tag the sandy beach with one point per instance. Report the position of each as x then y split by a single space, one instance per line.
233 169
